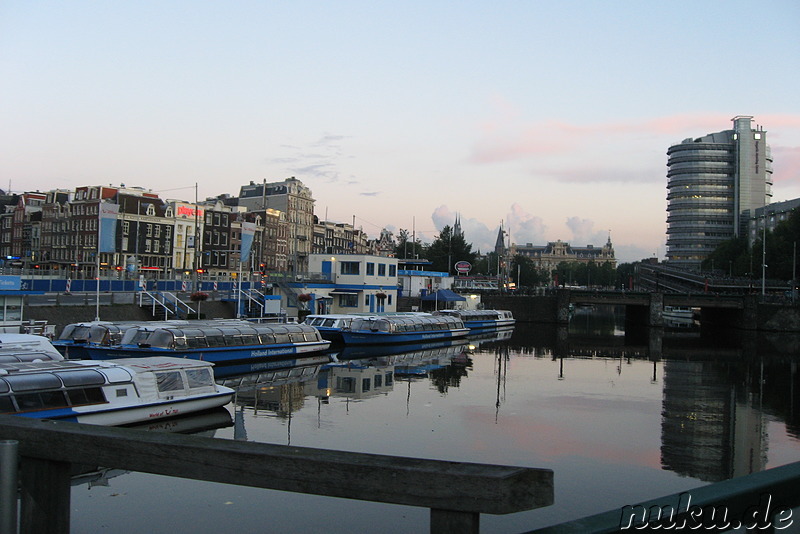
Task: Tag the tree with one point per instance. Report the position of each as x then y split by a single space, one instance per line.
736 258
447 249
731 257
407 247
525 273
626 272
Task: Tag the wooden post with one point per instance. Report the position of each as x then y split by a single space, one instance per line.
449 522
45 486
9 460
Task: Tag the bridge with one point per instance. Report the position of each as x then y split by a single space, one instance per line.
647 308
664 278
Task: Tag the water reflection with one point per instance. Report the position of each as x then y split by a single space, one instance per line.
205 424
619 414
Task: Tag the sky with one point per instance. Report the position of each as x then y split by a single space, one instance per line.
550 118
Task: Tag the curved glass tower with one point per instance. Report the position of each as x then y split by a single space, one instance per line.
714 184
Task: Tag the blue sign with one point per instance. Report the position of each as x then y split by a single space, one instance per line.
10 282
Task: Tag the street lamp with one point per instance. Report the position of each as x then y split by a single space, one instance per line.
764 258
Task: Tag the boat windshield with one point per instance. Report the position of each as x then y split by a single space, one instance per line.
134 336
106 334
75 332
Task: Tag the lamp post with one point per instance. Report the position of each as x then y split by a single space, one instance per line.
764 258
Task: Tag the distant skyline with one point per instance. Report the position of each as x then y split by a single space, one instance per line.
552 118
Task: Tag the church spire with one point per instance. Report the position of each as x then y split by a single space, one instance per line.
457 227
500 245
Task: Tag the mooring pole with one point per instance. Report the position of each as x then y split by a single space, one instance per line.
9 457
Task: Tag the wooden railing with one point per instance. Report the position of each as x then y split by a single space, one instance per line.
456 493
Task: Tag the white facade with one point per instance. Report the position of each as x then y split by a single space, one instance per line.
188 218
360 284
420 283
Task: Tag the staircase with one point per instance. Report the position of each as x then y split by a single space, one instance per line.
164 305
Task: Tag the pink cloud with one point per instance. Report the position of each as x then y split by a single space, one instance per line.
786 166
508 138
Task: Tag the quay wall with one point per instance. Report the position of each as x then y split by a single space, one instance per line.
764 317
526 309
63 315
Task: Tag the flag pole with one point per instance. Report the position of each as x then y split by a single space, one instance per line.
97 262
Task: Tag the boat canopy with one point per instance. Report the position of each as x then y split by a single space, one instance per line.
48 385
406 323
330 321
478 315
26 348
236 335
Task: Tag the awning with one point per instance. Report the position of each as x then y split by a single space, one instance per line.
346 291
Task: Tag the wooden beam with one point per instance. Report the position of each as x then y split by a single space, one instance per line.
453 486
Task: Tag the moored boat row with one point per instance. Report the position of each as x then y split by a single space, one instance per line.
109 393
403 329
482 319
222 342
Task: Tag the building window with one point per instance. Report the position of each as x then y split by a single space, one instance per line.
348 301
370 269
381 269
350 267
393 270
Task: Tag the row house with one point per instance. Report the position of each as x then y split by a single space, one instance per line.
65 230
220 240
26 226
339 238
293 198
188 220
55 250
144 234
20 227
270 252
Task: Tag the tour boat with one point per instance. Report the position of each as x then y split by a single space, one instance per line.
15 348
678 316
330 326
75 337
121 392
223 342
482 319
404 328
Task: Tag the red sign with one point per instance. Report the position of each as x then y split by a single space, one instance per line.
185 210
463 267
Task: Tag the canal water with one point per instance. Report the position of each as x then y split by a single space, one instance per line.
620 417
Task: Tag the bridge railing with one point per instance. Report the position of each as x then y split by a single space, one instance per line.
760 502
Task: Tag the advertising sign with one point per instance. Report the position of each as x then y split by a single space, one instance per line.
463 267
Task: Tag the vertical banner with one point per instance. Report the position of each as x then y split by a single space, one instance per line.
248 231
107 230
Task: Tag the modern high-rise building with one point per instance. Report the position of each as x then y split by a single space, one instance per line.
714 185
